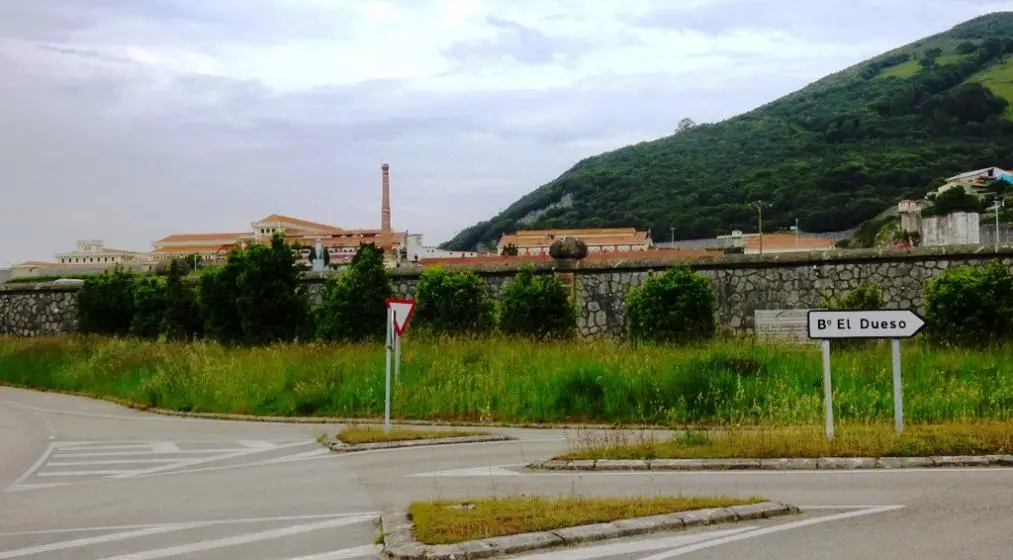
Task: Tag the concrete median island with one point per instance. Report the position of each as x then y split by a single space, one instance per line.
792 448
441 530
364 438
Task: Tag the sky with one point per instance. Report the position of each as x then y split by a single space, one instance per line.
127 120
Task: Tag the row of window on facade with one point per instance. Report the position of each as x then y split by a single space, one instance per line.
87 260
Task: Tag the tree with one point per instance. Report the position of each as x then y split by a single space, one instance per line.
510 250
450 301
678 306
105 302
536 306
684 125
269 298
181 319
354 306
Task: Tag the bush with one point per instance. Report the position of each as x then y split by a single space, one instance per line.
970 305
354 307
678 306
162 268
149 308
216 306
181 319
270 299
452 302
865 296
536 306
105 303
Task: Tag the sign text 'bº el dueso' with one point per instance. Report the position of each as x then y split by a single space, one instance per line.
876 323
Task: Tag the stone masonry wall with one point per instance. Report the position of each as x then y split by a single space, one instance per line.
743 284
37 309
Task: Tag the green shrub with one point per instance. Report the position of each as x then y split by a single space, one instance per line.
105 303
678 306
970 305
865 296
216 304
149 308
270 299
452 301
181 319
354 307
536 306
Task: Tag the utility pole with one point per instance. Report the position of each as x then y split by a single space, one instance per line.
999 203
673 237
759 204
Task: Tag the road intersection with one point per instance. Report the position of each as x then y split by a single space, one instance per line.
90 480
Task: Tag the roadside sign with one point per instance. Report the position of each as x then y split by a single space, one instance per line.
402 310
895 324
874 323
399 312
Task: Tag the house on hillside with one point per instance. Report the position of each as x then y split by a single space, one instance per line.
974 182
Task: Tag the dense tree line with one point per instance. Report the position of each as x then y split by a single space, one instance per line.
831 155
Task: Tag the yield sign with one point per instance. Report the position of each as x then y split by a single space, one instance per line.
401 311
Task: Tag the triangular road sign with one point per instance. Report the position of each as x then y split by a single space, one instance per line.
402 310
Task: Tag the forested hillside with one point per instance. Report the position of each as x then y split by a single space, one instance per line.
831 155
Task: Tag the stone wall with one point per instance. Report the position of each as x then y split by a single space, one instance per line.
743 284
37 309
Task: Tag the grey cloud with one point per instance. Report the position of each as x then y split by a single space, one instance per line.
524 44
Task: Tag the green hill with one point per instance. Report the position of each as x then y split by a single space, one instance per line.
832 155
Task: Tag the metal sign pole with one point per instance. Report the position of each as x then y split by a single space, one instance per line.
828 395
386 407
397 357
898 389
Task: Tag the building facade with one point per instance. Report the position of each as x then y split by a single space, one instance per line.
601 240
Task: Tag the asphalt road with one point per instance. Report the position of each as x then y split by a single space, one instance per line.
87 480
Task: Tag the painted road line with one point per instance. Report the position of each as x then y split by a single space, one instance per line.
296 458
182 464
613 549
65 455
100 539
473 471
104 447
109 462
345 554
257 444
164 447
201 523
33 468
81 473
767 531
201 546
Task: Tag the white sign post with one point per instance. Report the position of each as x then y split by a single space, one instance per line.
894 324
399 312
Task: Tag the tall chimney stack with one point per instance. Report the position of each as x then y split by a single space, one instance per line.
385 202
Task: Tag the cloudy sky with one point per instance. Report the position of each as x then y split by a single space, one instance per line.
127 120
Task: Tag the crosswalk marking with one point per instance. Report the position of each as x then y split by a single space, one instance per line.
77 543
108 462
77 473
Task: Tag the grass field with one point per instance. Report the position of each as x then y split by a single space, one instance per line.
373 434
521 382
999 79
986 438
450 522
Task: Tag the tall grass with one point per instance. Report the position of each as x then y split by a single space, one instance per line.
514 381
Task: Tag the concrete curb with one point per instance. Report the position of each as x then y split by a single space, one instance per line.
339 446
400 543
823 463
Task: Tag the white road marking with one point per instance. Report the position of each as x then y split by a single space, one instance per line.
109 462
65 455
80 473
477 471
242 539
77 543
474 471
24 487
139 416
202 523
104 447
768 530
344 554
32 469
181 464
164 447
613 549
257 444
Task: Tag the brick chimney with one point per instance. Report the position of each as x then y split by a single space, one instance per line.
385 198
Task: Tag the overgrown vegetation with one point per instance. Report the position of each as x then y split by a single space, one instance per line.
970 305
678 306
513 380
451 301
455 521
354 435
537 307
354 307
987 438
832 155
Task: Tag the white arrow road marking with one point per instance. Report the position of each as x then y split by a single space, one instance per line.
77 543
768 530
242 539
473 471
613 549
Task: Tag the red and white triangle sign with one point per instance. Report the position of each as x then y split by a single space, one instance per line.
401 311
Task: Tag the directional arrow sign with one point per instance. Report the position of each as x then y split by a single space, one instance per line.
874 323
402 310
